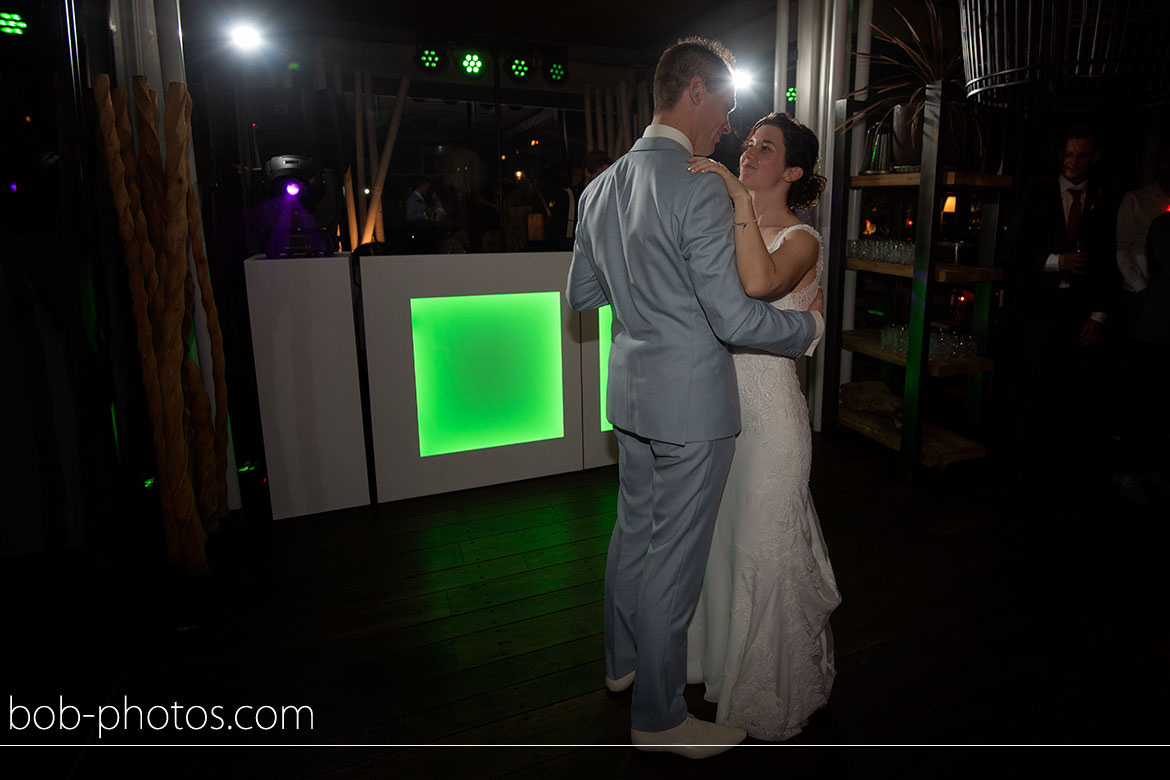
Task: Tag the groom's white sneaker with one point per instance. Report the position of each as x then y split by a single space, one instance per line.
692 738
620 684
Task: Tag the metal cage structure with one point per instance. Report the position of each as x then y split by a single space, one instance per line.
1067 55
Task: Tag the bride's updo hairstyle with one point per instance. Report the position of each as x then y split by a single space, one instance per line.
800 150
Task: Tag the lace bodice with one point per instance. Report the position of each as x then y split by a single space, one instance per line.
763 376
800 299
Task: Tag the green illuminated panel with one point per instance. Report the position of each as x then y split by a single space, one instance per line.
487 370
604 342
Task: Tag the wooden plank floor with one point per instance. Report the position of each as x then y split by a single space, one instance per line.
973 613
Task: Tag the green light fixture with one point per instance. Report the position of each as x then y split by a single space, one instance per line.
488 370
555 70
519 67
12 24
430 57
473 64
790 93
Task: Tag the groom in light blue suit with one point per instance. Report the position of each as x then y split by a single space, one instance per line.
656 242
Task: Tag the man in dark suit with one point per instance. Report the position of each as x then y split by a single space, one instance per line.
1060 243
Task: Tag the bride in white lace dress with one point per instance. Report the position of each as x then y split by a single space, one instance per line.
760 637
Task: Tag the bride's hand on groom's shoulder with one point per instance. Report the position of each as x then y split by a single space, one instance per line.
707 165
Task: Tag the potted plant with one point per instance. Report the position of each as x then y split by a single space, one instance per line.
901 97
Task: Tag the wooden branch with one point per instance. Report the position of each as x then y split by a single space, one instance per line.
624 142
351 210
361 148
611 142
372 143
588 122
384 160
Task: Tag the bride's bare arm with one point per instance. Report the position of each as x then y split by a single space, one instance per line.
763 275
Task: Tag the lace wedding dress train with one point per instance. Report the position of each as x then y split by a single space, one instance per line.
760 637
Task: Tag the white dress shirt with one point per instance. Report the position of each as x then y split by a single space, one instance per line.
673 133
1138 209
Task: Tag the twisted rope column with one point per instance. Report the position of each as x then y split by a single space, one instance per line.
138 253
218 363
171 282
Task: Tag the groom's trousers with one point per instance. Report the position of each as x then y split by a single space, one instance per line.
667 504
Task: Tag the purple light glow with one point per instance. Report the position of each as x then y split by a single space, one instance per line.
12 186
292 189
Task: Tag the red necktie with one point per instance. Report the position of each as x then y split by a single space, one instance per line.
1074 214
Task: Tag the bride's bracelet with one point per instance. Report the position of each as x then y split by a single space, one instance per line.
743 225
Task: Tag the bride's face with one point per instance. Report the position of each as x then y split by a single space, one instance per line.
761 165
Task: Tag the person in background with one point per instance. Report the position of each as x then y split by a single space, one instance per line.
1138 210
1060 245
592 164
418 201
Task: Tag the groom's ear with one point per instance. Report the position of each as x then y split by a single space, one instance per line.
696 89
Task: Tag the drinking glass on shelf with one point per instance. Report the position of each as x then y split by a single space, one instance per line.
901 338
888 338
907 253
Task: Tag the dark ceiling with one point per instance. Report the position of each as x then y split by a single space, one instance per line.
623 24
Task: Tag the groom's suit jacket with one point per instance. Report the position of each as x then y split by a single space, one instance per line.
655 242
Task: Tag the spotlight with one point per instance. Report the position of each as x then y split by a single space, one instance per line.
519 67
245 37
12 24
473 64
294 176
431 57
295 185
555 70
741 78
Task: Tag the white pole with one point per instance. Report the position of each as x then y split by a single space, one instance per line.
780 78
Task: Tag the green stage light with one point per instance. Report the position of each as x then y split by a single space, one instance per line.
430 57
472 64
519 68
604 342
790 93
12 24
487 370
555 71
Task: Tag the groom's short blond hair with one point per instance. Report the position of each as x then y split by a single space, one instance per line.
708 59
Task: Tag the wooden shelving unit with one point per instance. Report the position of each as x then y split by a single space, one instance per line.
868 342
939 447
918 441
950 179
944 273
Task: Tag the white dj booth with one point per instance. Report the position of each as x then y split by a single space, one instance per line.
478 373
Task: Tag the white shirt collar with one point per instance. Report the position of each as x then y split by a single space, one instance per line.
1065 185
673 133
